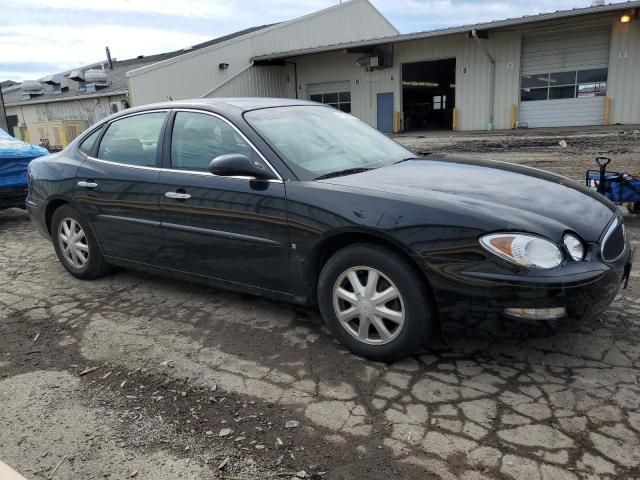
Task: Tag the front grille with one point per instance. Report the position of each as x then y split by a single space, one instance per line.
613 243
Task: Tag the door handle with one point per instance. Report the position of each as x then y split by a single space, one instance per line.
87 184
177 196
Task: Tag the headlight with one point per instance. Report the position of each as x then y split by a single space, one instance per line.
523 249
574 247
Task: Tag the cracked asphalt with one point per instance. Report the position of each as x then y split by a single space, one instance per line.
136 376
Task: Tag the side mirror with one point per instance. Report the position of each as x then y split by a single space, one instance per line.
238 165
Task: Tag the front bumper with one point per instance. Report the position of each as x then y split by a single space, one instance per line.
583 289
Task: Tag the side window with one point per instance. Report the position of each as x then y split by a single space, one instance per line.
133 140
198 138
87 144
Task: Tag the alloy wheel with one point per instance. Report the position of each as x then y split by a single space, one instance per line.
73 243
368 305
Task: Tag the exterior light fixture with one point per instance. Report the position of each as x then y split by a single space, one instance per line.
626 18
223 66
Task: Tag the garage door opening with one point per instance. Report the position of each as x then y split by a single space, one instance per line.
428 94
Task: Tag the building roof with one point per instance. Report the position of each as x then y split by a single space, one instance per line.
495 24
116 77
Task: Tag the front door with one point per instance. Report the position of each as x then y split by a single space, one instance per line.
117 187
385 112
228 228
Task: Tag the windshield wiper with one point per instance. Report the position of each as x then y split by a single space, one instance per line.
406 160
340 173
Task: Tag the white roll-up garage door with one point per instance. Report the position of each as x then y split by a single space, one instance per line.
564 78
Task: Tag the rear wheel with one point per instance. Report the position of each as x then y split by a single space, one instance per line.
375 302
75 244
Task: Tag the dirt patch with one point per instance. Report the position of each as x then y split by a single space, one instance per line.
570 154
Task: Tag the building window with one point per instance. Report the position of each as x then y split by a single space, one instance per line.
563 85
440 102
339 100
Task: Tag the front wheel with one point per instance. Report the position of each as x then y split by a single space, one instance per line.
75 244
374 301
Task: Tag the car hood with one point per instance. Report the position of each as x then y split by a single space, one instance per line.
513 196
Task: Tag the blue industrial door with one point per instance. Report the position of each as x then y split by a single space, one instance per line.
385 112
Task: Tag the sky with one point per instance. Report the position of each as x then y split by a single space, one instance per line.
40 37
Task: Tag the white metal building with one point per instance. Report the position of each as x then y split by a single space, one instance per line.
571 68
226 69
567 68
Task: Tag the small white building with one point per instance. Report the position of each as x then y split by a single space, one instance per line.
566 68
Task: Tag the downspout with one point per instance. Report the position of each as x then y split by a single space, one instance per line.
492 80
239 72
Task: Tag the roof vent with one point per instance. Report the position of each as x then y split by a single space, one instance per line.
32 87
76 75
96 76
51 80
95 79
597 3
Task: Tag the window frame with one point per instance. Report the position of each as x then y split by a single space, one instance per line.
575 85
159 147
168 134
338 103
85 137
105 126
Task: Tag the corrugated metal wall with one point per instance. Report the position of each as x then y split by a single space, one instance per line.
473 74
341 67
472 87
258 81
624 73
197 73
473 69
90 109
194 74
345 22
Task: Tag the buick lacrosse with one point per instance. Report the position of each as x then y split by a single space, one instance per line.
300 202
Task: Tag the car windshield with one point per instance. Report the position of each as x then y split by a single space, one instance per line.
318 141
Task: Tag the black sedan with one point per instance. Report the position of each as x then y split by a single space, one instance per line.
300 202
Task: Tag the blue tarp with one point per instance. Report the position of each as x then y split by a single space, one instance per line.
15 156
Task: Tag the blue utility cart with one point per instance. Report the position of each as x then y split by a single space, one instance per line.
619 187
15 156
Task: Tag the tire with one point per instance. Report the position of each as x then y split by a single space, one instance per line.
362 313
85 262
634 207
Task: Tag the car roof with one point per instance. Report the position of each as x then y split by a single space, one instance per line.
238 105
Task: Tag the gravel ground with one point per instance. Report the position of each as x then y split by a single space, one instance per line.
135 376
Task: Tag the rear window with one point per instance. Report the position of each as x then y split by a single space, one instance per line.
133 140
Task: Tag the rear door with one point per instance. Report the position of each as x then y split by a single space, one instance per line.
117 187
229 228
